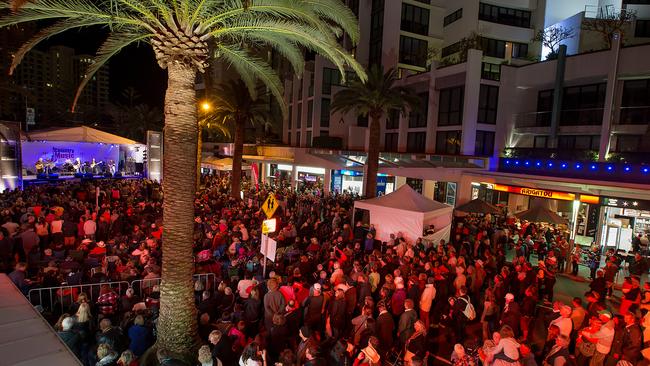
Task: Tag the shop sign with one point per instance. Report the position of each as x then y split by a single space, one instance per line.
542 193
626 203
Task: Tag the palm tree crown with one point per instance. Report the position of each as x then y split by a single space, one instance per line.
195 31
374 98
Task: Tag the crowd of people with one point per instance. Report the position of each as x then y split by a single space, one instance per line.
334 295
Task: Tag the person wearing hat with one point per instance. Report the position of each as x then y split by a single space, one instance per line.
314 305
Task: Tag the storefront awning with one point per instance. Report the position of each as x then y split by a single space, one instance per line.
357 159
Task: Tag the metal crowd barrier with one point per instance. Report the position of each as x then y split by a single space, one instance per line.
64 296
144 286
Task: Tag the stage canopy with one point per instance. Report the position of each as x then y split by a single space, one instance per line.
78 134
408 212
224 164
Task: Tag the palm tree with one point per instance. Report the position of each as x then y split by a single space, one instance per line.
236 108
374 98
185 36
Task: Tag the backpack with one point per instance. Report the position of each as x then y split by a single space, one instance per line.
469 312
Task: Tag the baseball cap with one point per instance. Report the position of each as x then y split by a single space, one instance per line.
605 313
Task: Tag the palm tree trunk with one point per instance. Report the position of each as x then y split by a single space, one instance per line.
177 326
236 159
372 164
199 157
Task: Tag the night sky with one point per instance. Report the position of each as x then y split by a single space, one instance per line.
135 66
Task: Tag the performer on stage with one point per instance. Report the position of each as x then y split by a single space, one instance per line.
77 165
40 166
111 167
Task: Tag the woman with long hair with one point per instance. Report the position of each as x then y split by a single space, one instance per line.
416 344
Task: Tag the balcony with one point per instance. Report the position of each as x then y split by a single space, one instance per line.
533 119
633 115
548 153
568 117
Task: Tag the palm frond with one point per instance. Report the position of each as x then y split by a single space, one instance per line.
111 46
245 64
45 33
337 13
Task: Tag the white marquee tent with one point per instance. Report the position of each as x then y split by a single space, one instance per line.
408 212
78 134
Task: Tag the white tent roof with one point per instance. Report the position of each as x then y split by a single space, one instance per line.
405 198
26 338
79 134
220 163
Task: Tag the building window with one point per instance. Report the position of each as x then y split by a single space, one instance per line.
413 51
325 112
503 15
491 71
289 138
487 104
519 50
362 121
298 138
627 143
493 47
540 142
310 113
308 142
583 105
415 183
299 116
415 19
418 116
392 122
311 84
484 143
635 106
390 141
544 108
290 115
450 106
330 77
415 142
324 133
450 50
448 142
452 17
642 28
578 142
354 6
376 32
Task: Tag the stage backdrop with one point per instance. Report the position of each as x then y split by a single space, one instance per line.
60 152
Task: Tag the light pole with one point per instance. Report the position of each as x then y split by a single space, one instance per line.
204 108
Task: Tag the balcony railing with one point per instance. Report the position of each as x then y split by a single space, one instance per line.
533 119
633 115
548 153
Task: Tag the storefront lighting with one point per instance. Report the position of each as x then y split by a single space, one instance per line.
627 169
550 164
578 166
593 167
527 163
516 162
507 162
539 164
610 168
564 165
645 170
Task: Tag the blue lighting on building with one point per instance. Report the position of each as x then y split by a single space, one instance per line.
645 170
516 162
550 164
527 163
507 162
578 166
627 169
610 168
539 163
564 165
593 167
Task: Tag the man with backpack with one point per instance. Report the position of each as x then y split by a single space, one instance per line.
463 311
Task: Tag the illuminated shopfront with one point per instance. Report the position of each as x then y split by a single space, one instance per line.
623 219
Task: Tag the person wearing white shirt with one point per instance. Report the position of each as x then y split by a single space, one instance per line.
244 285
603 338
426 300
564 322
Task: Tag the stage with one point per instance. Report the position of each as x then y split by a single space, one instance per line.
54 178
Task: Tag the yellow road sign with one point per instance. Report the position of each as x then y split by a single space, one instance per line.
268 226
270 205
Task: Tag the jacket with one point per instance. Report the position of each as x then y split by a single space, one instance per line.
385 327
427 297
406 322
140 339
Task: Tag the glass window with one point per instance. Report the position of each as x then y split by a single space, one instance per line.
627 143
578 142
583 105
290 115
413 51
376 31
330 77
362 121
491 71
503 15
519 50
324 133
642 28
540 142
493 47
415 142
448 142
452 17
487 104
418 116
299 116
484 143
392 122
311 84
308 142
390 141
450 107
298 142
325 112
415 19
450 50
635 105
310 113
289 138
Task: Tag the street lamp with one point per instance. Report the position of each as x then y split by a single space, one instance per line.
205 106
